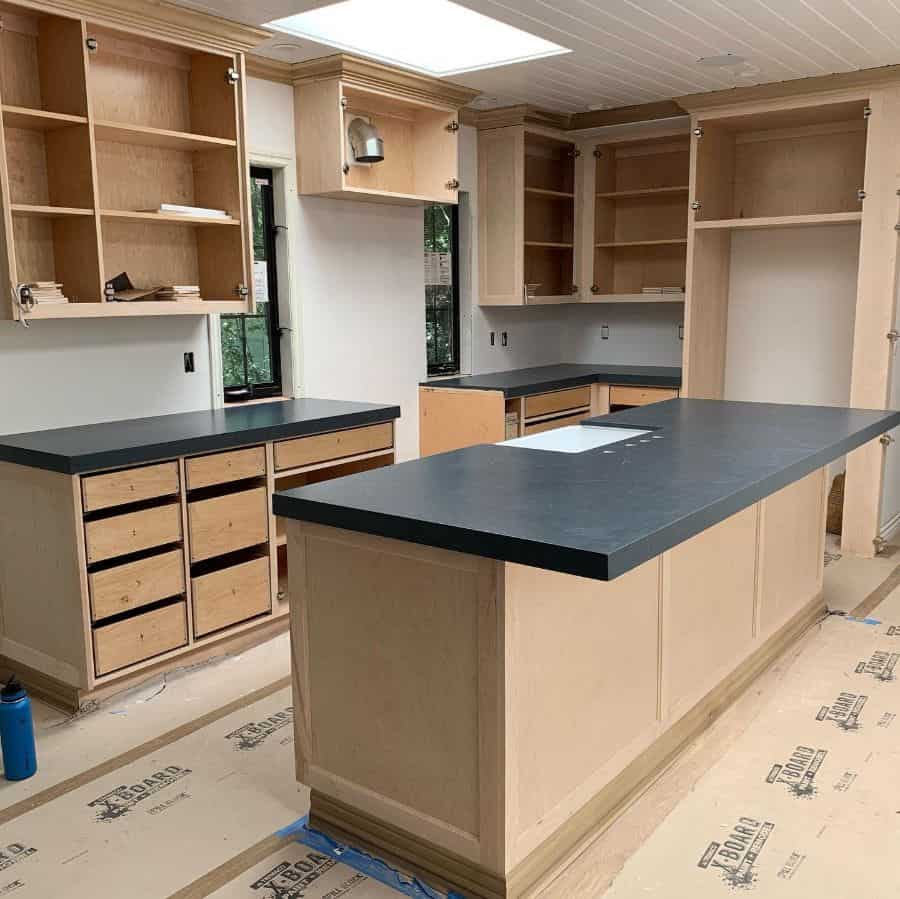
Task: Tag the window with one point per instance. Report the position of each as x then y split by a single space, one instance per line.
442 289
251 358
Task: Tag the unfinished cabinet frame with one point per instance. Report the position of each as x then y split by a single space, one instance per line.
791 156
417 118
101 123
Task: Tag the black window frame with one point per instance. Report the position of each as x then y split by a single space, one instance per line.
454 366
247 391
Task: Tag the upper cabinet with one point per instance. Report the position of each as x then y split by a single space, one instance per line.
100 127
529 214
366 131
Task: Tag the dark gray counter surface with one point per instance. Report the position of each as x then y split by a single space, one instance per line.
599 513
116 444
528 381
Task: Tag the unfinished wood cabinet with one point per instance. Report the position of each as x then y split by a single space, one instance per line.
101 125
417 118
529 214
818 154
639 249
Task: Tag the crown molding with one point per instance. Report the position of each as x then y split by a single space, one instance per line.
160 19
625 115
268 69
504 116
367 73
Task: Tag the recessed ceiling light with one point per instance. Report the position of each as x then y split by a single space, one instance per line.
725 60
436 37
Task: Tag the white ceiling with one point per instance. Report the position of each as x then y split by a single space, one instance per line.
638 51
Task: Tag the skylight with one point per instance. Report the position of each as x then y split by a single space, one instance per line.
435 37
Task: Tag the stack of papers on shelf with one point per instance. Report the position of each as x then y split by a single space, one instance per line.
47 293
181 292
196 211
662 290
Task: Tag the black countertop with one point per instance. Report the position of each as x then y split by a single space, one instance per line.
116 444
596 514
544 378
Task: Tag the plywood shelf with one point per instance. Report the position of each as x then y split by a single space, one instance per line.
669 242
634 298
39 119
123 310
643 192
782 221
51 212
543 192
143 135
552 245
159 218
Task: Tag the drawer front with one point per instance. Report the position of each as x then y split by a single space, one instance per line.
640 396
136 584
548 403
141 637
227 523
133 532
555 423
231 595
324 447
222 468
103 491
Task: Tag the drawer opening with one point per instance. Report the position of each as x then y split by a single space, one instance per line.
229 560
143 610
118 561
226 488
282 595
329 473
126 508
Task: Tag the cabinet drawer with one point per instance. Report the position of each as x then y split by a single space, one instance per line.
132 532
640 396
324 447
548 403
231 595
141 637
222 468
136 584
540 426
227 523
103 491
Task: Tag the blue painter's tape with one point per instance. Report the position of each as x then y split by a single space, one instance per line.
869 621
362 862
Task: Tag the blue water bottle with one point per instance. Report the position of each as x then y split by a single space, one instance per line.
16 732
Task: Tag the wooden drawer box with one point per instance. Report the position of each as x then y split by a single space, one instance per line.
141 637
541 426
228 523
560 401
222 468
103 491
324 447
132 532
231 595
136 584
640 396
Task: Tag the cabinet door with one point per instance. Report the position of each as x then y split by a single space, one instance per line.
501 216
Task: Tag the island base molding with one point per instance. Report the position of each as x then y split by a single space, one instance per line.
480 723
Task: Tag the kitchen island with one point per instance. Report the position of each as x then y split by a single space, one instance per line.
496 648
128 548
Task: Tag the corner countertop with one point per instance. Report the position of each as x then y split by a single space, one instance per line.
544 378
602 512
116 444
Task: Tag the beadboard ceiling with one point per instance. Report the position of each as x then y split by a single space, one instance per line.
639 51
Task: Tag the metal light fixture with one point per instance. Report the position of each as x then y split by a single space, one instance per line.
365 141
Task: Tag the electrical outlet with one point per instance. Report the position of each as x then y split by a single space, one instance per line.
188 363
604 332
492 338
504 339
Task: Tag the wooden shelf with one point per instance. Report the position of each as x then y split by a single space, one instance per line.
158 218
672 242
123 310
644 192
782 221
50 212
145 136
557 194
549 245
634 298
38 119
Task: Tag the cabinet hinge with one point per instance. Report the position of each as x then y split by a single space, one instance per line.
242 291
92 44
345 168
698 132
879 543
23 298
696 205
574 153
886 440
452 184
232 76
867 111
343 102
860 195
452 126
893 336
598 153
573 289
595 289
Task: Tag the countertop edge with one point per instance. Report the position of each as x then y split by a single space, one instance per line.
621 380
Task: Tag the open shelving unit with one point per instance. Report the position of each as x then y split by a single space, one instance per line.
99 127
640 219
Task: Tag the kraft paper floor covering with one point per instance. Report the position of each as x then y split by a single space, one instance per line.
793 793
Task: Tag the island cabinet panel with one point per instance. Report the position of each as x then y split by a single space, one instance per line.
451 419
228 523
132 485
121 535
136 584
140 637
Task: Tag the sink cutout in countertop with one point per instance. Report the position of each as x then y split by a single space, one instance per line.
575 438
